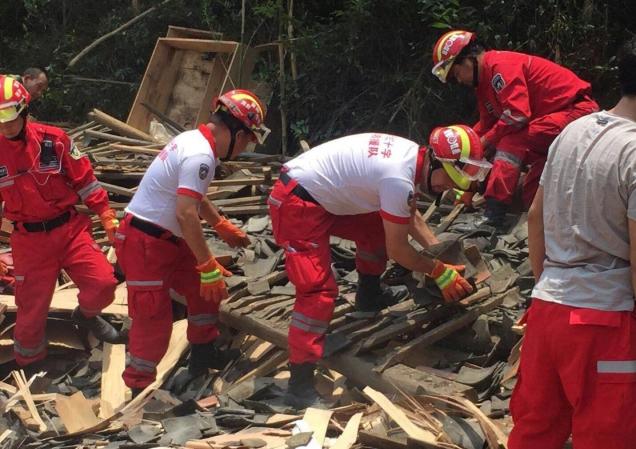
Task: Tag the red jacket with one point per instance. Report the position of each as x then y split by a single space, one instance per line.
515 88
43 174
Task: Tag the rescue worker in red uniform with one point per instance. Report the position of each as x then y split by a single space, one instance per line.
160 244
524 102
42 176
362 188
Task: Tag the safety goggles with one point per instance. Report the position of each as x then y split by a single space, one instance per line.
9 114
442 69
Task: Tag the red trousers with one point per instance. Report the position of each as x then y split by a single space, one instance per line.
577 376
303 228
38 258
153 266
529 147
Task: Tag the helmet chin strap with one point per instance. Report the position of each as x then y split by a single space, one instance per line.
432 165
475 71
230 149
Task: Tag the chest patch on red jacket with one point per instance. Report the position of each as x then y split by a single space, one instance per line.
498 82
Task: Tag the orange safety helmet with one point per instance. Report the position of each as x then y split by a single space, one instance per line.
247 108
14 99
459 149
446 50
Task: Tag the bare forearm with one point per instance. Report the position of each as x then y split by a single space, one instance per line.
193 235
406 256
419 230
209 212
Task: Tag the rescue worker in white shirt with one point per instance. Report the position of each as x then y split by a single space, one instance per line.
362 188
160 243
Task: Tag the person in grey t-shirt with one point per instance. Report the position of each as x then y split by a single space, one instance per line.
578 369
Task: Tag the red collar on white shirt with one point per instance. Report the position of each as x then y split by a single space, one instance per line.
207 133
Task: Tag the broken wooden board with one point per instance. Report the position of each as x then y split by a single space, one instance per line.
113 388
75 412
349 435
318 421
396 414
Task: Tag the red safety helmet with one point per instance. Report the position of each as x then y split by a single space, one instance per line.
446 50
247 108
14 99
459 149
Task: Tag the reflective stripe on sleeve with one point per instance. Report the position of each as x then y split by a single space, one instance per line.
616 366
85 191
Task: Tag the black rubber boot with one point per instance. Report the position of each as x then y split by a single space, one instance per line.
206 355
101 329
136 391
495 214
373 296
301 392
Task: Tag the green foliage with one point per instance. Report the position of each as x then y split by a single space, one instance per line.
362 64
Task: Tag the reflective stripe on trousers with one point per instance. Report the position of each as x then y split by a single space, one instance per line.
141 364
203 319
307 324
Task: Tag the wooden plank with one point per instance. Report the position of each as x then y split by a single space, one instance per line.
318 421
245 210
396 414
176 348
117 189
113 388
192 33
75 412
199 45
448 220
66 301
23 388
350 434
156 85
212 88
136 149
115 138
241 182
118 126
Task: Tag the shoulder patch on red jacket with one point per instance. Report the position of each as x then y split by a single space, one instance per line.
498 83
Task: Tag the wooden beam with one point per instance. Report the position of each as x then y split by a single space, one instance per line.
118 126
199 45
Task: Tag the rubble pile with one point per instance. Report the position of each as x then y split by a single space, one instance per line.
421 373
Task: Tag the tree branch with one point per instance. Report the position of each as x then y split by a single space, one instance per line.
131 22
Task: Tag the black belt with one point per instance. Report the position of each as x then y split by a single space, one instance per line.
153 230
299 190
45 226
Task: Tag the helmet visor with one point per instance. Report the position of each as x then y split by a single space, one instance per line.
464 177
442 69
9 114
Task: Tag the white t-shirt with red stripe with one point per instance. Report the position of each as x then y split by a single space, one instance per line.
361 173
185 166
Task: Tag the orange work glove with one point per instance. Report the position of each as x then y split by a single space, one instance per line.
212 284
232 235
110 224
4 269
452 285
465 198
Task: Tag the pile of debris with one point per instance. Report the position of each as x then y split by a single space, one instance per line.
420 373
